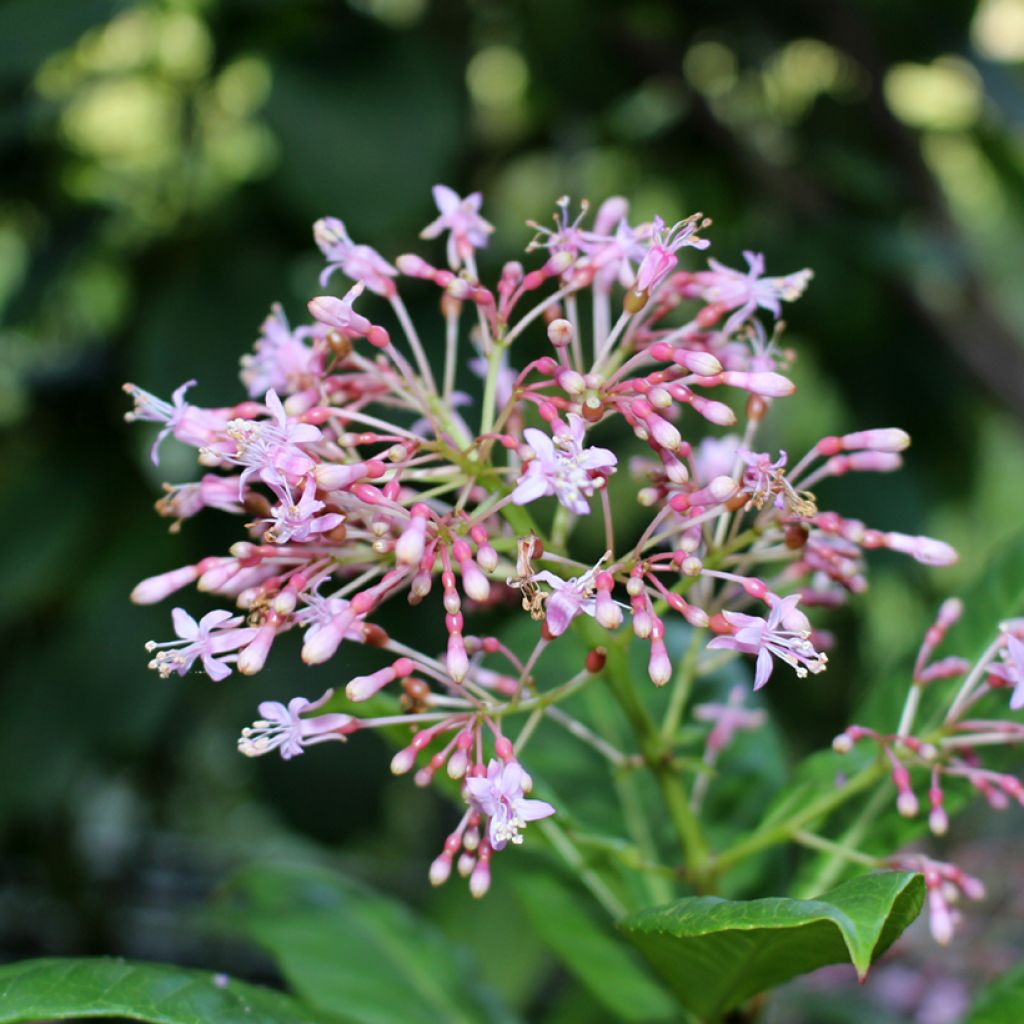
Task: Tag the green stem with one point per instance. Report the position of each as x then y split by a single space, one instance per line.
828 869
659 760
784 831
682 686
837 851
597 886
491 387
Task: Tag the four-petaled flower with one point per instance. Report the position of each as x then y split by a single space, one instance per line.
744 293
500 796
460 217
563 467
215 634
568 598
776 636
297 520
281 728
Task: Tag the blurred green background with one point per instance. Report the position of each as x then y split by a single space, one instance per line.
162 165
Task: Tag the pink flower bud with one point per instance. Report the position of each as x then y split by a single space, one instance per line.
364 687
156 588
886 439
254 656
940 920
704 364
320 644
440 869
560 333
403 761
766 384
487 558
409 546
456 660
659 667
480 879
714 412
474 582
332 476
458 764
906 804
922 549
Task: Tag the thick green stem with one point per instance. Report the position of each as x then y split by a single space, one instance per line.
658 756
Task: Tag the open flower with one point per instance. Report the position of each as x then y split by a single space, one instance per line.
773 637
357 262
282 728
500 796
460 217
208 640
563 467
744 293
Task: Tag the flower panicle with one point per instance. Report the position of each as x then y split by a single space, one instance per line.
363 477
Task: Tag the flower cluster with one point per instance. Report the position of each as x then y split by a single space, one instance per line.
365 476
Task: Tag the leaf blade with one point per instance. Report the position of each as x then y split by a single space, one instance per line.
606 968
335 939
59 989
716 953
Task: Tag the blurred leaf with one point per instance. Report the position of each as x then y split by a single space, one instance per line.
609 969
716 953
1002 1001
352 952
72 989
27 37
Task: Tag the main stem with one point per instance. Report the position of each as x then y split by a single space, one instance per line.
657 755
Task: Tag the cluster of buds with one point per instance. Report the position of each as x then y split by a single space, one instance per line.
924 754
365 475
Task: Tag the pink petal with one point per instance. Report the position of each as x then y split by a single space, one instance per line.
764 668
184 625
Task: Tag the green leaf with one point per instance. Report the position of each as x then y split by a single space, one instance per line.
54 989
716 953
350 951
1000 1002
608 969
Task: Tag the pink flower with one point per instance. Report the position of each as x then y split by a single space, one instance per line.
282 360
568 598
461 218
189 424
567 236
216 633
357 262
728 718
338 313
563 467
714 457
281 728
661 258
271 448
746 292
297 520
1011 670
500 796
776 636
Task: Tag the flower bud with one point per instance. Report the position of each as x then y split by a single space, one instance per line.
156 588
